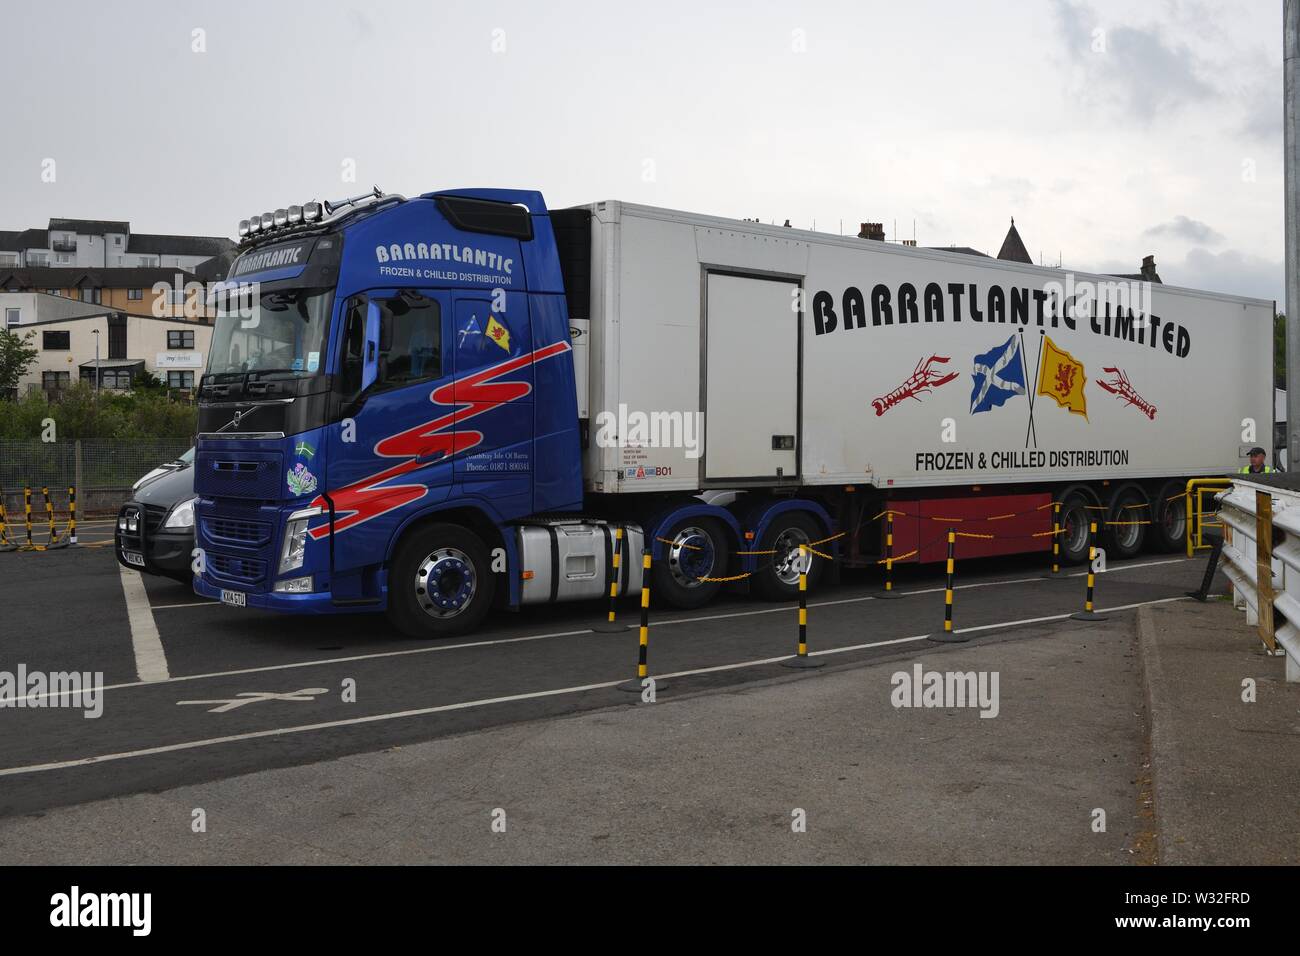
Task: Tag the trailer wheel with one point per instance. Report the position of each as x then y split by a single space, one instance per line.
1169 519
1076 514
777 577
440 583
692 550
1123 540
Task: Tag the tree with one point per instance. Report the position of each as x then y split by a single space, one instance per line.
16 356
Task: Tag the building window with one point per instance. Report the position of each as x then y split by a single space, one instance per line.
178 339
117 240
150 262
180 379
115 378
56 341
35 261
54 381
8 259
62 258
135 295
53 292
90 295
12 317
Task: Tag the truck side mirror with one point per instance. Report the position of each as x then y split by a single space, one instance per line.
370 354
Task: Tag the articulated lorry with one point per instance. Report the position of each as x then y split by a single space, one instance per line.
429 406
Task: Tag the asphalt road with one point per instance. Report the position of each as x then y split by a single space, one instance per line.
232 691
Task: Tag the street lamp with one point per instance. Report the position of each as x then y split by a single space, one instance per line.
95 332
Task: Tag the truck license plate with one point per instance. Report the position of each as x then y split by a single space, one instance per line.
130 557
233 598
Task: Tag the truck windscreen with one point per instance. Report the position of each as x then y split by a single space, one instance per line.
272 333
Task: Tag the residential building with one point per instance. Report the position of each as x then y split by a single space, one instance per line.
169 293
114 347
94 243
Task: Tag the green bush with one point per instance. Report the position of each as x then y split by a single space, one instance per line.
144 415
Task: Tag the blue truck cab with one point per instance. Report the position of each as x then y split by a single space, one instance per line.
368 371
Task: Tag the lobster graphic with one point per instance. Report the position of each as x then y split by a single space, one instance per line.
1121 386
922 379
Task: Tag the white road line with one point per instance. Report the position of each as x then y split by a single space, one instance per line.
783 608
150 661
488 701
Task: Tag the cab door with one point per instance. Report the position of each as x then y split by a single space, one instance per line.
494 396
391 452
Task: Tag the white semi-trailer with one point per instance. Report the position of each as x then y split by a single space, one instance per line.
440 399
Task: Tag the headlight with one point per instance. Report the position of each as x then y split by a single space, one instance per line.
182 515
294 550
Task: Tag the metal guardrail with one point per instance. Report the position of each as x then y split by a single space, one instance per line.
1261 548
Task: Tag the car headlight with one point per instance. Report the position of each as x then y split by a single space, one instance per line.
182 515
294 550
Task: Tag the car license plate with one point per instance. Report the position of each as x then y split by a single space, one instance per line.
130 557
233 598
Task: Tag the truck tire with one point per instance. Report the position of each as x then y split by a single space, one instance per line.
1169 517
1125 540
696 549
440 583
777 577
1076 513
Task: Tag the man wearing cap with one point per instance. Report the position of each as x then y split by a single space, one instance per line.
1257 466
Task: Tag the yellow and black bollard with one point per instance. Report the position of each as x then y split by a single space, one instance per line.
801 658
611 626
6 544
949 635
27 517
55 542
72 515
889 593
1088 614
643 642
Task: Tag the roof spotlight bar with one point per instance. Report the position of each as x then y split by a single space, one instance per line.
313 211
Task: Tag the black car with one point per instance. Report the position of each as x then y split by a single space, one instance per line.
155 529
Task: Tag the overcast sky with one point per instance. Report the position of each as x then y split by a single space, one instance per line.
1109 130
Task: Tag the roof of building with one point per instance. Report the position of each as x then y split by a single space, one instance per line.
179 245
964 250
71 277
216 268
1013 248
23 239
90 227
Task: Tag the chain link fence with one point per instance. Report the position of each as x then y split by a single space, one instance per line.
102 472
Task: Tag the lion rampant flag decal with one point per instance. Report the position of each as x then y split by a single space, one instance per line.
1062 377
498 333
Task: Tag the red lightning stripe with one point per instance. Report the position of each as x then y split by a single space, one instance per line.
363 500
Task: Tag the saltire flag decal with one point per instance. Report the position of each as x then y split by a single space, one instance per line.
998 375
1062 377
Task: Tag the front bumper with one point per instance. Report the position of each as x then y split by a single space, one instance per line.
316 602
165 552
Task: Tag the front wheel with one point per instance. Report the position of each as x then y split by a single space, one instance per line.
440 583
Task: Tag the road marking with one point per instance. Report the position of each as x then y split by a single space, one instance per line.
489 701
150 660
168 607
243 698
491 642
